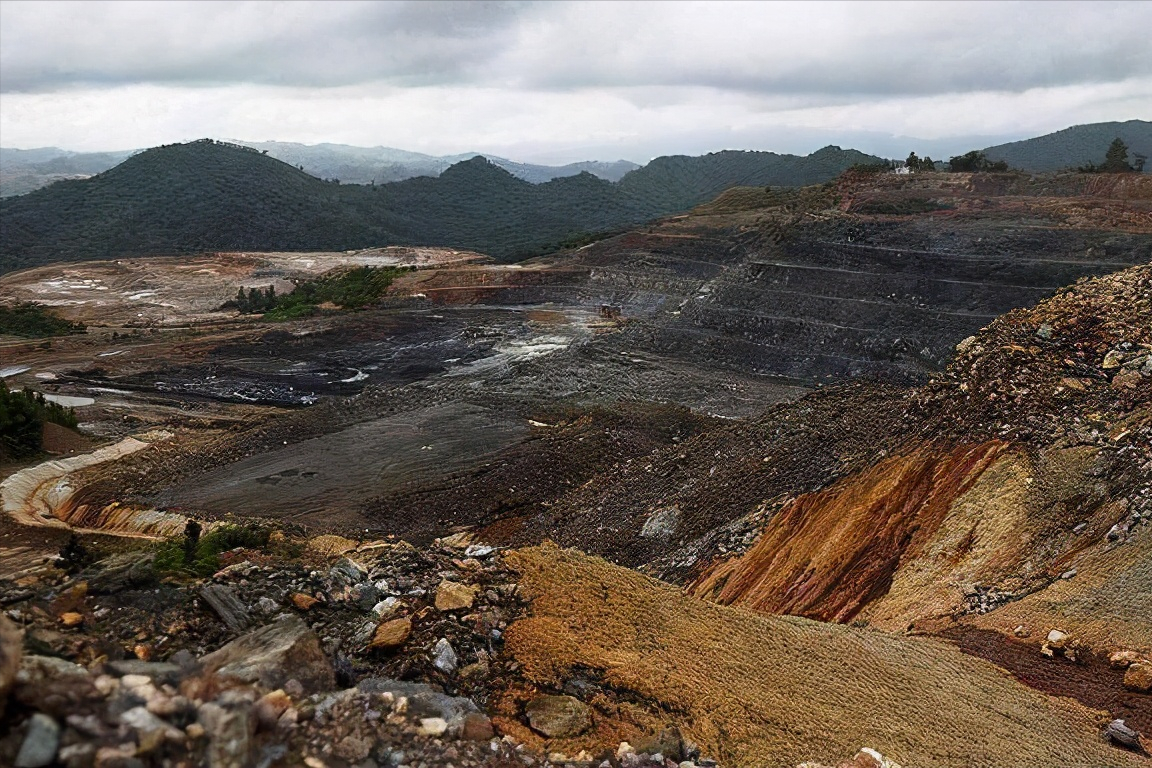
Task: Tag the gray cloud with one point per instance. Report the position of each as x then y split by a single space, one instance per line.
805 49
52 46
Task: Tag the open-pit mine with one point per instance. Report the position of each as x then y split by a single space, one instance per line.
857 474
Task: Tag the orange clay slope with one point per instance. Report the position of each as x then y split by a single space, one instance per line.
760 691
828 554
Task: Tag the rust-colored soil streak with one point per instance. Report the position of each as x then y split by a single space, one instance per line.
828 554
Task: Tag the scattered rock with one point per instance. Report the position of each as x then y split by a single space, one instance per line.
40 743
479 550
558 716
668 743
1113 359
433 726
444 656
270 707
267 606
423 700
71 619
1123 659
1057 641
283 650
164 672
1119 732
329 544
151 731
303 601
230 730
453 596
227 606
1139 677
386 607
349 570
391 634
477 727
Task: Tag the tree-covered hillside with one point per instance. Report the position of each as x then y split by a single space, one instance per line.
209 196
1080 145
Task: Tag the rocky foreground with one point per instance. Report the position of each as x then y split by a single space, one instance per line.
328 652
316 653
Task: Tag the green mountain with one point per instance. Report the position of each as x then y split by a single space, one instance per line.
208 196
1075 147
25 170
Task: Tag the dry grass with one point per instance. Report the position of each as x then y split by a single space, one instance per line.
775 691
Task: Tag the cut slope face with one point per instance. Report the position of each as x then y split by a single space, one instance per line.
828 554
775 691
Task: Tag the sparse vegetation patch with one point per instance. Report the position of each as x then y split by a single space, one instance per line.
351 289
33 321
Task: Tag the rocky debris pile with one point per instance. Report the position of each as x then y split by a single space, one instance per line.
349 654
865 758
264 699
1059 643
1066 368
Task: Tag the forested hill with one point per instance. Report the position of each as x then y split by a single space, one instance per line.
1074 147
205 196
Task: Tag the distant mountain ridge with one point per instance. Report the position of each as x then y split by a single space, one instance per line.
24 170
1074 147
212 196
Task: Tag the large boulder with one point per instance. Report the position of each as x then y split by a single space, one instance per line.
56 687
10 642
274 654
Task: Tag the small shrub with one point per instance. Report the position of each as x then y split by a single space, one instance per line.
177 556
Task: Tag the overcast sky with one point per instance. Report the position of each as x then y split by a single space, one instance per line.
558 82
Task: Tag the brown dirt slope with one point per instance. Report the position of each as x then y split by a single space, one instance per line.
775 691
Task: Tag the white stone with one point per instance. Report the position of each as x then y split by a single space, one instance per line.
445 658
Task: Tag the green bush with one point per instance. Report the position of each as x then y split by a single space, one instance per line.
174 556
975 162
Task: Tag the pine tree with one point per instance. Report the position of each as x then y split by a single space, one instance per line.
1116 158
